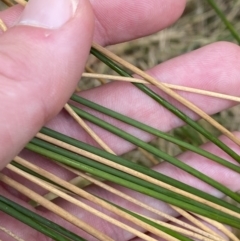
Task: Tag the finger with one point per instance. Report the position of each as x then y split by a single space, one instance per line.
11 15
205 68
131 21
208 167
42 59
225 176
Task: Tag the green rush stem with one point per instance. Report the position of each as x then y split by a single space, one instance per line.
37 222
154 132
167 105
222 16
71 159
139 168
174 161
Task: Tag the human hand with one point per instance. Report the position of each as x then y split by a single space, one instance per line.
40 81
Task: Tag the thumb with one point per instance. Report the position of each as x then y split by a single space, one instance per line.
42 58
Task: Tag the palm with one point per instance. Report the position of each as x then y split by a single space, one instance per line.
201 67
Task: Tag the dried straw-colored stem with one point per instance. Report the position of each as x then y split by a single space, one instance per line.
11 234
168 91
3 26
174 87
21 2
87 196
150 157
8 3
136 202
54 208
78 89
82 123
87 128
195 221
99 78
134 173
220 227
183 231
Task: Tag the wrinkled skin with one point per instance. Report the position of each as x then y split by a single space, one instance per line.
34 93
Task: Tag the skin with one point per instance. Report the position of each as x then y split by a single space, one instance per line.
215 67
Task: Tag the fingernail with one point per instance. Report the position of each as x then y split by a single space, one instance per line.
51 14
